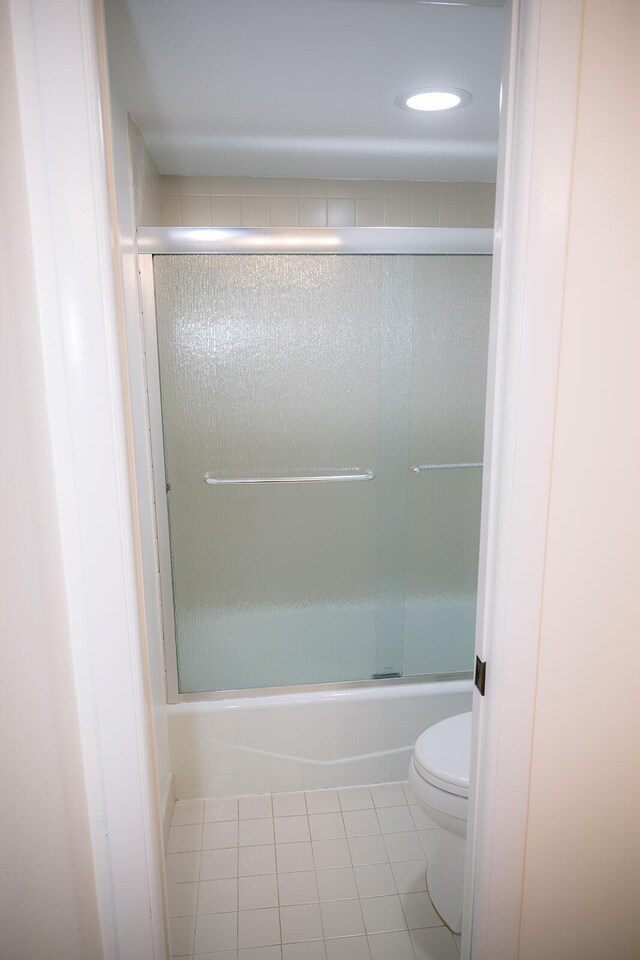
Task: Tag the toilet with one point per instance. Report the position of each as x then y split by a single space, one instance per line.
439 778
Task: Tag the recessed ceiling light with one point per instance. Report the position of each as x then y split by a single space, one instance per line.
429 99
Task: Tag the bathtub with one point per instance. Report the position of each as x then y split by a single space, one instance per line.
305 741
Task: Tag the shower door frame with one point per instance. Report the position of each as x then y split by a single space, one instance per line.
321 241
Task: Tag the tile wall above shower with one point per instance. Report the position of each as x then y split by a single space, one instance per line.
286 202
145 179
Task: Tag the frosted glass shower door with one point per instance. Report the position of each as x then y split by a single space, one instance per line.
276 366
284 366
446 412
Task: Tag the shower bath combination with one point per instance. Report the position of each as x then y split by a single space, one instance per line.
314 627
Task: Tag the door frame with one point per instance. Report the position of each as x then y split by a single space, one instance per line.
58 52
535 172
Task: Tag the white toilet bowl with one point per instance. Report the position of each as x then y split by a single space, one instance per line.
439 778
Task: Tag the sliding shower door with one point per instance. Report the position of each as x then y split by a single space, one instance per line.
299 394
446 414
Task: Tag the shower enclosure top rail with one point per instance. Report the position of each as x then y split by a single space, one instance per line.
316 240
318 478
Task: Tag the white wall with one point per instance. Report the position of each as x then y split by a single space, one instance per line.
582 871
47 891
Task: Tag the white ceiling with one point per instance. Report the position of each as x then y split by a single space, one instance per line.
306 88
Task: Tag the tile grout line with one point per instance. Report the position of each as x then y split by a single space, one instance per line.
315 873
275 853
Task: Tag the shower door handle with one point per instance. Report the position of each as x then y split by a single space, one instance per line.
318 478
443 466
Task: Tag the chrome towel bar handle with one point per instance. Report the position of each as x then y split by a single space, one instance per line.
318 478
354 475
444 466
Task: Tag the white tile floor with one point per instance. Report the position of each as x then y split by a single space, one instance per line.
323 875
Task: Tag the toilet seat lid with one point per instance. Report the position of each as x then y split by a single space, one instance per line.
442 754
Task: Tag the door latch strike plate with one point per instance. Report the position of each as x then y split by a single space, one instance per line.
481 673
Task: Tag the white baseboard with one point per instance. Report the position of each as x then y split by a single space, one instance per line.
167 807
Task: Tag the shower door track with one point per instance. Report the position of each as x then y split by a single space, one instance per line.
156 241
